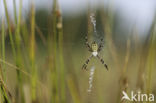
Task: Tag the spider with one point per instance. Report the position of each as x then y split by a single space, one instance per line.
94 48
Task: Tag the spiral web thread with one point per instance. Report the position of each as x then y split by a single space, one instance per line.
91 76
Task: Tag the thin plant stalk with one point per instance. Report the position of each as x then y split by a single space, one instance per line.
3 71
61 56
150 59
3 91
32 55
142 65
3 50
123 78
107 22
51 61
15 13
73 90
18 50
9 27
54 72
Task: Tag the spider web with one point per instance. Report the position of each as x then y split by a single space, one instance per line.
91 76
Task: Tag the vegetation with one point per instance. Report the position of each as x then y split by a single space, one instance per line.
41 60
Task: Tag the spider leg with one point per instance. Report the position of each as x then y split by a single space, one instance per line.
100 46
102 61
87 44
86 63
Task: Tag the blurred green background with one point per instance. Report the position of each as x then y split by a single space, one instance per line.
42 50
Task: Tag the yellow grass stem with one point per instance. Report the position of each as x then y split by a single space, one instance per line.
18 50
61 56
3 50
123 77
3 91
3 94
9 27
56 56
32 54
127 56
73 90
15 13
7 97
107 22
57 68
151 59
